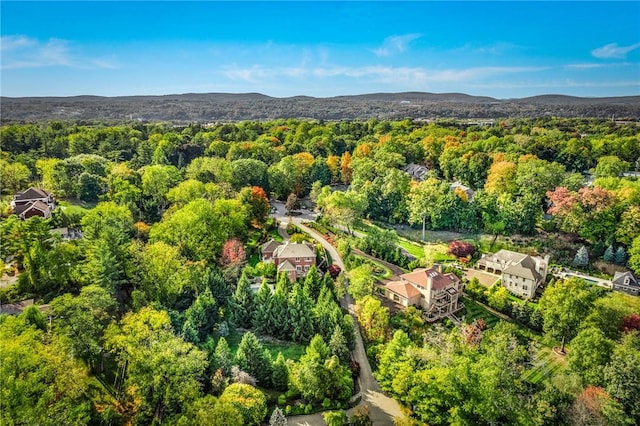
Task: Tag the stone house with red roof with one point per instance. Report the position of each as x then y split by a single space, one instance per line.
437 293
33 202
293 258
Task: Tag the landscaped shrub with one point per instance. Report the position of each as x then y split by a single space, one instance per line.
461 249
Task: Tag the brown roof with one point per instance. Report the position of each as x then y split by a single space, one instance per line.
31 194
286 266
438 280
404 289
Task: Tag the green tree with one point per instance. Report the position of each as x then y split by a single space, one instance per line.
222 356
313 283
590 353
373 318
564 306
14 176
300 315
335 418
622 375
361 282
249 401
253 359
422 197
242 303
610 166
280 374
84 318
338 345
161 370
262 305
41 382
634 256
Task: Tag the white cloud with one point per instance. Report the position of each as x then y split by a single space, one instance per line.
613 51
395 44
416 76
20 51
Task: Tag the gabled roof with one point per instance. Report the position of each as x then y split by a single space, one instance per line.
21 209
286 266
31 194
417 171
526 268
403 289
438 280
290 249
270 246
620 277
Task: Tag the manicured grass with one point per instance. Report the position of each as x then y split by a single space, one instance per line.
379 270
289 350
473 311
438 253
544 364
415 249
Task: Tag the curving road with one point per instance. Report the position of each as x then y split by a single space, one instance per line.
382 409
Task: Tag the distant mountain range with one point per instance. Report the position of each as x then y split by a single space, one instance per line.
216 107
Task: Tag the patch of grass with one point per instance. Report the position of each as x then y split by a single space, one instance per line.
379 270
437 253
473 311
290 350
415 249
544 364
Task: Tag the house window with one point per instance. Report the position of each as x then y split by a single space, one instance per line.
524 287
308 259
297 259
306 268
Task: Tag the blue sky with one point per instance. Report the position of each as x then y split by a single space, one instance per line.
498 49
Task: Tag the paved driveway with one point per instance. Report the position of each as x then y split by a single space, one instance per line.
382 409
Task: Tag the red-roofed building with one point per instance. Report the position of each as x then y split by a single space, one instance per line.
437 293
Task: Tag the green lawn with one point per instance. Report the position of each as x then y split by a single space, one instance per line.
290 350
544 364
379 270
473 311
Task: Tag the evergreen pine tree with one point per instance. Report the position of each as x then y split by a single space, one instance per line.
608 254
300 315
277 418
338 345
313 282
278 320
621 256
254 359
222 357
243 304
582 257
262 305
280 373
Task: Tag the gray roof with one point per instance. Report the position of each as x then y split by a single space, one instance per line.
270 246
286 266
290 249
416 171
526 268
620 277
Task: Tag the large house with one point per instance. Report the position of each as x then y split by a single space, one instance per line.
430 289
521 274
626 282
416 171
33 202
293 258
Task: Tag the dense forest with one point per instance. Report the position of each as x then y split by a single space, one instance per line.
152 316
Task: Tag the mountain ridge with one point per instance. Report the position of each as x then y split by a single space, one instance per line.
207 107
